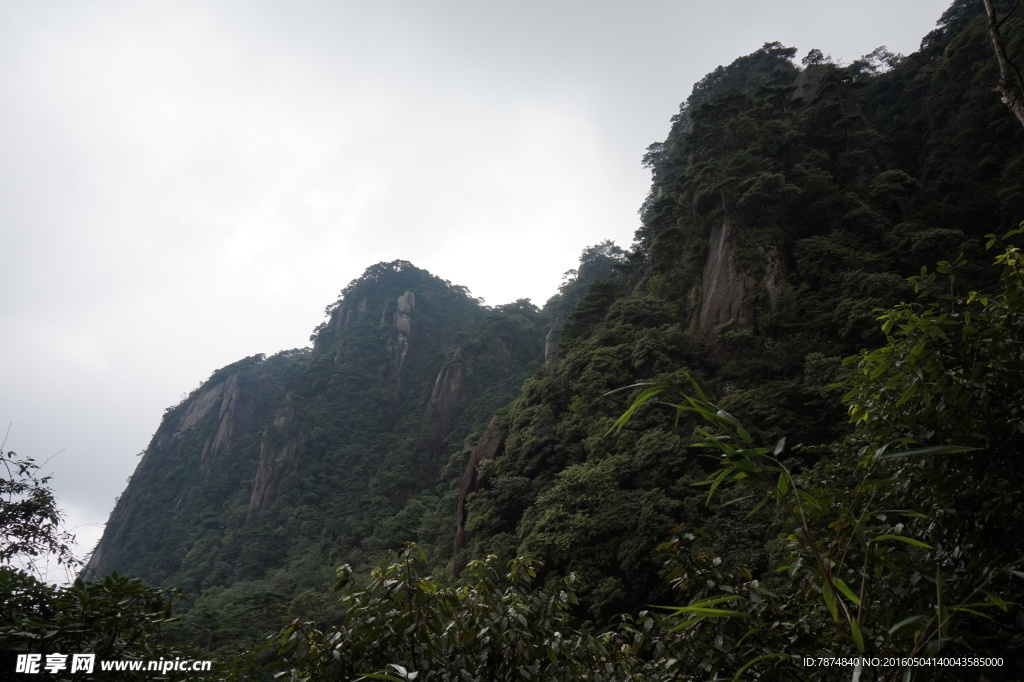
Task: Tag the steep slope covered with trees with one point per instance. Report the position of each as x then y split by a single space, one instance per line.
790 202
306 459
787 206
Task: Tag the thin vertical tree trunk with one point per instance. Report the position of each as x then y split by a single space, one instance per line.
1010 86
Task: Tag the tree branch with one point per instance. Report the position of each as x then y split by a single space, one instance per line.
1011 85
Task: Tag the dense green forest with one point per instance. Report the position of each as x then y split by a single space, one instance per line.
785 423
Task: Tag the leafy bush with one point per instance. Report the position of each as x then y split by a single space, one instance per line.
403 626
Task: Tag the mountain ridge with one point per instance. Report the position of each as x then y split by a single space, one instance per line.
788 206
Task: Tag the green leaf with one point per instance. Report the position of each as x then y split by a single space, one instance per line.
687 623
830 601
909 393
646 395
845 589
759 505
713 612
973 611
715 482
858 636
809 499
934 450
997 600
783 484
905 622
703 602
902 538
907 512
754 661
697 388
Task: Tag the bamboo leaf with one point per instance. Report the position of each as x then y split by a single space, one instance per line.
902 538
975 612
845 589
830 600
717 481
933 450
703 408
748 664
810 500
780 446
783 484
728 417
697 389
997 600
702 603
906 512
858 636
905 622
713 612
687 623
759 505
646 395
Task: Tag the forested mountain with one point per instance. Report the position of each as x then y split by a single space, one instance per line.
321 455
787 206
790 202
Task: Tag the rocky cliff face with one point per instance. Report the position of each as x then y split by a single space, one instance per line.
348 433
723 285
176 469
400 337
489 447
443 406
279 448
551 341
726 290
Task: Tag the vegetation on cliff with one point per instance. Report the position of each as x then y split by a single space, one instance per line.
793 207
895 544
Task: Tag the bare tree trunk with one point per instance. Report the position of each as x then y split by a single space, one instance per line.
1010 86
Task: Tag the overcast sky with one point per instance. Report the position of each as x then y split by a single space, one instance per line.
183 184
